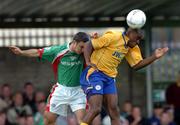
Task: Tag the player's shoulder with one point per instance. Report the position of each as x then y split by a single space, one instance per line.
113 32
57 47
63 46
135 48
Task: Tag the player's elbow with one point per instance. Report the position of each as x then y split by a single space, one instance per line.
137 66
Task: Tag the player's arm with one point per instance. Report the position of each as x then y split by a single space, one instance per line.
157 54
96 43
88 49
28 53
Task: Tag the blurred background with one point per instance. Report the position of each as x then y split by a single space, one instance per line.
40 23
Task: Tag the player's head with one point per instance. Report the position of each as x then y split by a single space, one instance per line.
134 36
77 45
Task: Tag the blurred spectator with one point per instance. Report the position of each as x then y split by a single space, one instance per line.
3 118
136 117
157 111
165 119
3 104
25 120
106 121
40 96
21 120
127 108
29 120
29 96
38 118
18 109
169 109
6 94
172 98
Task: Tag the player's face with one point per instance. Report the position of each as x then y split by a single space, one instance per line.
79 47
134 39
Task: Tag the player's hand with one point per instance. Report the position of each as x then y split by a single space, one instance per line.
15 50
160 52
94 35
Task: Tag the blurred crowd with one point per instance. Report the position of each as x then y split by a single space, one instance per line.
26 107
132 115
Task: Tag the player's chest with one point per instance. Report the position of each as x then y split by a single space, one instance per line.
71 60
118 52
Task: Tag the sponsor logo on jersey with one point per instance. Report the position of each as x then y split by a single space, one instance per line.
71 63
73 57
118 55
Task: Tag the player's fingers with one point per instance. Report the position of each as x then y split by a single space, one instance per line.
94 35
12 47
13 50
159 49
165 49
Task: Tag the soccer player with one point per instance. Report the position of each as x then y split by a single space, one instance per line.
68 63
102 56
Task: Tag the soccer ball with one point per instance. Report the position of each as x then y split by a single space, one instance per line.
136 19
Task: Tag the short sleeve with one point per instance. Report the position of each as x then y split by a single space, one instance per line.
104 40
134 56
49 53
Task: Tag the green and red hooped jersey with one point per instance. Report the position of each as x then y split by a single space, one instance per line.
67 65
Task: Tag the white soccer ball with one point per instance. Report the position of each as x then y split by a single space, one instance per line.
136 19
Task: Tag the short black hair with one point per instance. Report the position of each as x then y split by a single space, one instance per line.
81 37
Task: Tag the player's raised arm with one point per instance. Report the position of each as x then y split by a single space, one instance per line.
28 53
157 54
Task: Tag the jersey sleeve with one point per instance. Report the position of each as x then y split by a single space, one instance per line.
104 40
134 56
49 53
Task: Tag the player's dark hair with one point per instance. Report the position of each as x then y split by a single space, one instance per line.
81 37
